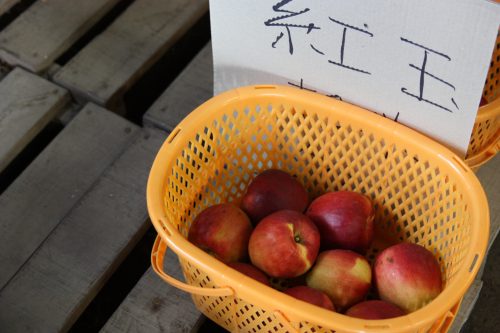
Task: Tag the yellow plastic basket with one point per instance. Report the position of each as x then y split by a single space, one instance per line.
485 138
422 193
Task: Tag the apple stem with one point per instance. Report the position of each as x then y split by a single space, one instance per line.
297 238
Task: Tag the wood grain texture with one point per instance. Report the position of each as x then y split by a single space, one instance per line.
190 89
34 204
4 70
48 28
5 5
116 58
56 284
28 103
154 306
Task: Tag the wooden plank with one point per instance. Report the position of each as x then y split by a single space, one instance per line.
5 5
146 309
4 70
468 302
70 267
114 60
34 204
490 180
154 306
37 37
190 89
28 104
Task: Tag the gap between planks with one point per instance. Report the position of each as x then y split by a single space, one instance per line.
45 30
115 59
5 5
28 104
65 273
34 204
190 89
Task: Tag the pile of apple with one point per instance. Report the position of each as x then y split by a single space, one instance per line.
319 246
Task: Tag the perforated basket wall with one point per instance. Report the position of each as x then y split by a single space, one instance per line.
483 144
421 191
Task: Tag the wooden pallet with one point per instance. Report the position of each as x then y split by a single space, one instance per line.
65 268
74 214
153 305
74 221
192 87
55 182
29 103
6 5
48 28
135 40
104 69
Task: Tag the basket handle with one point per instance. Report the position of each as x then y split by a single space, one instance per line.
157 259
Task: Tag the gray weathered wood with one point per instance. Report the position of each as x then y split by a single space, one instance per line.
116 58
4 70
56 284
190 89
34 204
154 306
28 103
466 307
489 176
5 5
48 28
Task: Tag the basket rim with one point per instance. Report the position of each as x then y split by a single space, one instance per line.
489 110
487 152
244 288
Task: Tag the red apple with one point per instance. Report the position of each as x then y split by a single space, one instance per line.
345 276
273 190
344 220
250 271
375 309
407 275
222 230
284 244
311 295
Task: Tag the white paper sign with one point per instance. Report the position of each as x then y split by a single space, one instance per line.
422 63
